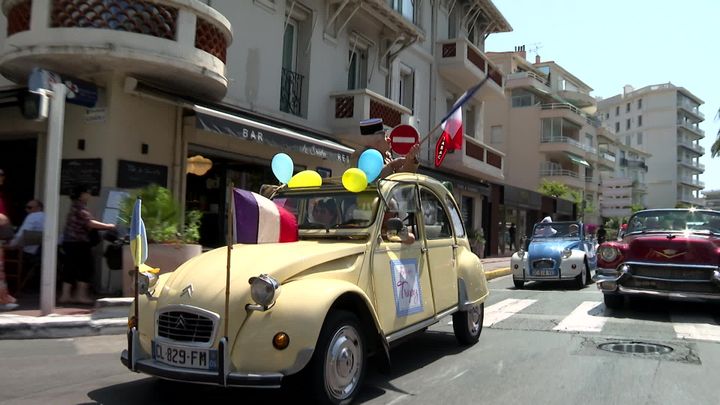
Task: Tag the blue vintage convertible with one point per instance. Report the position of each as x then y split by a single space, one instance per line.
557 251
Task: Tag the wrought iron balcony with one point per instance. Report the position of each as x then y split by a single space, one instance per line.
177 43
291 92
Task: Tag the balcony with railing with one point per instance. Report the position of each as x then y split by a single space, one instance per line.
560 143
691 108
692 129
563 110
562 175
178 43
694 147
291 92
691 181
577 98
633 164
463 64
691 164
527 80
606 158
351 106
476 159
639 187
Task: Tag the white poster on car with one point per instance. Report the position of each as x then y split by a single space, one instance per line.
406 285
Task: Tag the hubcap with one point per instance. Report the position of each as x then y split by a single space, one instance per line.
343 363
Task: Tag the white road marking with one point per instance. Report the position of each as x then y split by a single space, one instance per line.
504 309
585 318
696 327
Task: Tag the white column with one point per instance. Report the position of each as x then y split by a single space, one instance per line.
52 198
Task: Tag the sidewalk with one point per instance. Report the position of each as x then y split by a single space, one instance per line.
109 315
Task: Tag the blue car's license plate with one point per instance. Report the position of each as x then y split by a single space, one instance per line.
542 272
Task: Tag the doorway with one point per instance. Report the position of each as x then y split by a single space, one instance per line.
18 158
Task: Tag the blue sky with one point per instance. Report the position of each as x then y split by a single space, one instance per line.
610 43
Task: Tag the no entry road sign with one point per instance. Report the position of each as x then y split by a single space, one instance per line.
402 138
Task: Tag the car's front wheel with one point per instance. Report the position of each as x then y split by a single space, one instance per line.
338 364
582 279
613 301
467 325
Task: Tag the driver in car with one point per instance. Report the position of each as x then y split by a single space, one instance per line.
325 212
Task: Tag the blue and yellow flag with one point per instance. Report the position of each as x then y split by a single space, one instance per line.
138 237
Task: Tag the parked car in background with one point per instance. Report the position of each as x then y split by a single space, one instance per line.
370 269
672 253
555 251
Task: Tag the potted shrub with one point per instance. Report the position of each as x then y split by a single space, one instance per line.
477 241
171 240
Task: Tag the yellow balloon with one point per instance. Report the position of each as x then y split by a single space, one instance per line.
354 180
306 178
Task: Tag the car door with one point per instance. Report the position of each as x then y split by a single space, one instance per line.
401 280
441 250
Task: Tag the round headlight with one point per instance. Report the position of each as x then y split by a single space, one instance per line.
608 253
566 253
264 289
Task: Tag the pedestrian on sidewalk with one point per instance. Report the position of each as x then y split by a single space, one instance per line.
79 265
7 301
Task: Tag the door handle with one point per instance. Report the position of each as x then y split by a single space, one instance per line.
423 250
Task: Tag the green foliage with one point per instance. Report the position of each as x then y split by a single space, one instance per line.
636 207
683 205
161 215
476 235
553 188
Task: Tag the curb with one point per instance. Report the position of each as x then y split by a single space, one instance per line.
52 327
489 275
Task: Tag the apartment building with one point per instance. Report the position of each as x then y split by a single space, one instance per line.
547 130
712 199
663 121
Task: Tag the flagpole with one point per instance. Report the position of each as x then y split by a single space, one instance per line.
137 295
229 238
455 107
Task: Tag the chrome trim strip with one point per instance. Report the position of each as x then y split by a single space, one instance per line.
686 266
445 313
411 329
668 294
670 280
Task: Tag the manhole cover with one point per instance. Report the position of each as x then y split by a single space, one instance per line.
635 348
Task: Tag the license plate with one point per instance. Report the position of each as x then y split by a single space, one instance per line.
542 272
188 357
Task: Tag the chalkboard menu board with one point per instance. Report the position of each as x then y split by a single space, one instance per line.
138 174
86 172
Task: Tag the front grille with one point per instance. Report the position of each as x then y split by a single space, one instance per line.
185 326
671 273
671 286
544 264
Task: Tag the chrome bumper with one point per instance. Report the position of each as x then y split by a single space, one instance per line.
608 281
220 377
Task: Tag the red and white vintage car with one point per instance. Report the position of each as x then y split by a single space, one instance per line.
672 253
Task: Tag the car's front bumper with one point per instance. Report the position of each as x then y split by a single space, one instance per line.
567 269
621 280
220 377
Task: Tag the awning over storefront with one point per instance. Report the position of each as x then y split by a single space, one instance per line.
577 159
281 138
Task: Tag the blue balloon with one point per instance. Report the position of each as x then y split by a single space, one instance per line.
282 167
371 162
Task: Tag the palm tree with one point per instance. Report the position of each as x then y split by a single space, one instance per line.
715 148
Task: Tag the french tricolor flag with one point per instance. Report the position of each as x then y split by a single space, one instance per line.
260 220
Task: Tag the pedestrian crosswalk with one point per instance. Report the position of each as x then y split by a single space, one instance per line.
559 313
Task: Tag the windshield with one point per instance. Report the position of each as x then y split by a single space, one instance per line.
556 230
675 221
340 210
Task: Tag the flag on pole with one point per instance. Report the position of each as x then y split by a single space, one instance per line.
138 237
259 220
453 127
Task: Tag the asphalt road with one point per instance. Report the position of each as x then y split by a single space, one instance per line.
539 345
